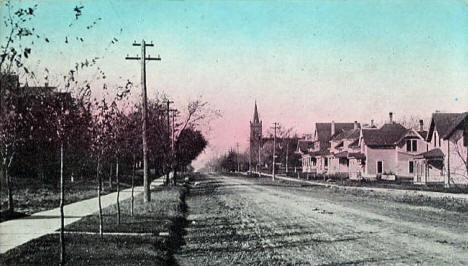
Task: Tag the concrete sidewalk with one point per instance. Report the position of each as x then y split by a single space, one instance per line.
376 189
19 231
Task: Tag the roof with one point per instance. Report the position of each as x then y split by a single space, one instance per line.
387 135
423 134
357 155
324 130
347 134
445 123
320 153
304 145
343 154
339 145
432 154
255 117
355 143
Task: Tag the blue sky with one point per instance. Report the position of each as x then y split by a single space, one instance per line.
303 61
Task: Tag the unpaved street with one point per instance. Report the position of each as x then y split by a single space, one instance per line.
240 220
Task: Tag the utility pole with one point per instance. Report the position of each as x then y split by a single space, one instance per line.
259 164
168 156
143 59
173 129
237 157
274 150
287 151
250 159
173 155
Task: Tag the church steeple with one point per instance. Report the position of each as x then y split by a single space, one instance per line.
255 117
255 138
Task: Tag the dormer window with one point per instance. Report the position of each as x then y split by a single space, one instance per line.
411 145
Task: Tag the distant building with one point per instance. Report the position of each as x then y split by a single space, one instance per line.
342 145
317 158
261 148
255 138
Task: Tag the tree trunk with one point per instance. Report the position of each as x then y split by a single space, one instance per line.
9 190
62 217
110 177
99 196
174 176
11 205
167 175
118 189
133 184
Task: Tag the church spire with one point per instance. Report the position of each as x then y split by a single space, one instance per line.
255 118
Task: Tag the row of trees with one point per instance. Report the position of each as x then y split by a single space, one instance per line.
43 129
286 156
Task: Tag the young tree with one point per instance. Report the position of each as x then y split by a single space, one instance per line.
101 131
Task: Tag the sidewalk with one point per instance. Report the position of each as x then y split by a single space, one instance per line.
375 189
19 231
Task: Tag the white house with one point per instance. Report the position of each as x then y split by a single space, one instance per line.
446 158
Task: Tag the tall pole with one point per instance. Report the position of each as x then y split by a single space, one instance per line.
62 203
173 155
250 158
143 59
259 164
169 155
173 129
274 150
287 151
237 157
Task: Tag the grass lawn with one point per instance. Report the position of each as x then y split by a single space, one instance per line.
31 195
404 184
165 213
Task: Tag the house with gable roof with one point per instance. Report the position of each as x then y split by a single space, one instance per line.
316 158
390 150
447 156
341 144
304 145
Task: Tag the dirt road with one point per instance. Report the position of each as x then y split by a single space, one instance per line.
240 220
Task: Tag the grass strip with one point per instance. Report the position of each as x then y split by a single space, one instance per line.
165 213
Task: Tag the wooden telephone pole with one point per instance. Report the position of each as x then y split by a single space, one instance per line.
168 110
143 59
237 157
274 150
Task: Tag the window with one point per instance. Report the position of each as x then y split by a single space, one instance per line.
411 145
326 162
415 145
411 167
379 167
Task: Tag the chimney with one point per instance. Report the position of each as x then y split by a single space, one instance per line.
421 125
372 123
356 125
390 115
333 128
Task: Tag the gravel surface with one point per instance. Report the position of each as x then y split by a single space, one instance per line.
240 220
